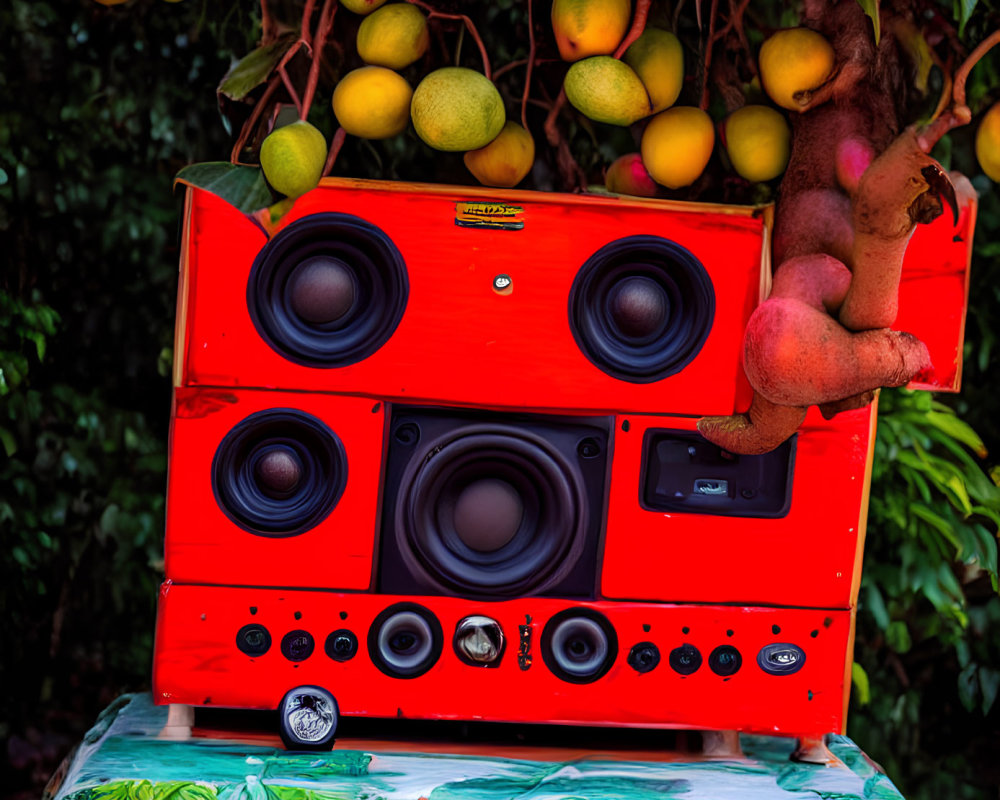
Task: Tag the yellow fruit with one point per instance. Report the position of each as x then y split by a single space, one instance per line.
627 175
677 145
758 141
658 60
372 103
456 109
988 143
589 27
292 158
394 36
606 90
506 160
794 60
361 6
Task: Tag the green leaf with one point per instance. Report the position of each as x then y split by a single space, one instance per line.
898 636
862 687
243 187
937 522
963 10
957 429
8 441
989 683
254 69
870 7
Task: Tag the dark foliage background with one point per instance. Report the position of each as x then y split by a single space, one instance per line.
99 108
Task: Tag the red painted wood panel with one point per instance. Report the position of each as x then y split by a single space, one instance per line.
197 662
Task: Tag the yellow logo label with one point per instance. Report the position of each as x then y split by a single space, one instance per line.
497 216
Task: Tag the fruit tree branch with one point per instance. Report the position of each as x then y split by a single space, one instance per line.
469 26
703 105
959 113
531 64
336 143
251 122
323 29
638 26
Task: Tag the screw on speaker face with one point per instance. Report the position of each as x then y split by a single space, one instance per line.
341 645
685 659
781 658
405 640
479 641
497 511
279 472
641 308
328 291
254 640
297 645
579 645
644 657
725 660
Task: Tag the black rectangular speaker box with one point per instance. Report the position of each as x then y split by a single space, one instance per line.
682 471
491 505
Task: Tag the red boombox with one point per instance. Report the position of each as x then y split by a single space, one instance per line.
434 455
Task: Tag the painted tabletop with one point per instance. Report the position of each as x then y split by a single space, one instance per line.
130 754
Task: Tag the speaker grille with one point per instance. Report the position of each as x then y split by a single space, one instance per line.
641 308
279 472
328 290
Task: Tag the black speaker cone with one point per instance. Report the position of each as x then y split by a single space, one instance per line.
279 472
641 308
328 290
579 645
490 510
405 640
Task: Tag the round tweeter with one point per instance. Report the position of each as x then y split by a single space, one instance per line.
579 645
328 290
490 510
641 308
279 472
405 640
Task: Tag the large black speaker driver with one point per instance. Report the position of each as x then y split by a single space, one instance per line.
492 506
279 472
641 308
328 290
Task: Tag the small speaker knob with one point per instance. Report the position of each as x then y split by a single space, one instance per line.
487 514
479 641
639 306
321 290
278 471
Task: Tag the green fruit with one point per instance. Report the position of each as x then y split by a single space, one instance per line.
293 157
455 108
658 60
606 90
394 36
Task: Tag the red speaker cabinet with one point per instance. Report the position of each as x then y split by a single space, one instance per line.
433 454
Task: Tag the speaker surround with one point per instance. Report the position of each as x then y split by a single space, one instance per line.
328 291
405 640
641 308
579 645
279 472
492 506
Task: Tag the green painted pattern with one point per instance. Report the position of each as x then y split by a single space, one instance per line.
122 759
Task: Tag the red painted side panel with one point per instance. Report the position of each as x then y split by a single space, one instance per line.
933 295
459 341
807 557
197 662
204 545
